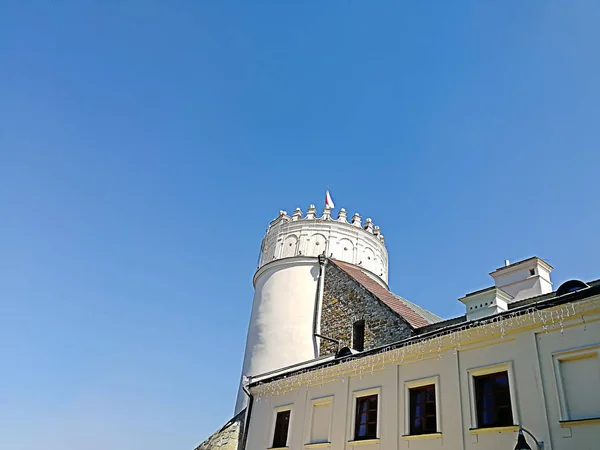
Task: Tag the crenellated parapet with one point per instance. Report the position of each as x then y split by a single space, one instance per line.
342 217
348 240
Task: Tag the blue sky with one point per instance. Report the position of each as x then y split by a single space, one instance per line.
145 146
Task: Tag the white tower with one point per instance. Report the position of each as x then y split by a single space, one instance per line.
285 314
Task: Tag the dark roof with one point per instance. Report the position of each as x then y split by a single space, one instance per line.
413 314
542 297
443 324
511 306
452 325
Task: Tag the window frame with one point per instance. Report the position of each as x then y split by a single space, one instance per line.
355 396
276 412
569 355
320 401
415 384
368 399
489 370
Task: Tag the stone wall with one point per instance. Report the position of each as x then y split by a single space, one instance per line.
227 438
345 301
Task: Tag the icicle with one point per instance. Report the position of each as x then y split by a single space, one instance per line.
560 323
544 325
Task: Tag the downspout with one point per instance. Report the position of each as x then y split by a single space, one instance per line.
247 421
318 307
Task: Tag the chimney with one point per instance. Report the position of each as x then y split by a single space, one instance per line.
485 302
513 282
524 279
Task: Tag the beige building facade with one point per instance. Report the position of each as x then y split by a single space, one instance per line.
549 352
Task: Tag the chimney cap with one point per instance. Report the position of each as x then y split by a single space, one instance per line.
524 261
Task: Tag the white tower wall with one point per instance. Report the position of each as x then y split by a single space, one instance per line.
282 322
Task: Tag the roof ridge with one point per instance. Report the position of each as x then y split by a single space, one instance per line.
414 317
433 317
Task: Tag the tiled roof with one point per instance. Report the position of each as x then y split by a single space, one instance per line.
413 314
427 315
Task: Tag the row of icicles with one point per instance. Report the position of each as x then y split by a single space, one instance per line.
496 326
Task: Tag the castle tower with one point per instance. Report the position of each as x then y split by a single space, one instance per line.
285 316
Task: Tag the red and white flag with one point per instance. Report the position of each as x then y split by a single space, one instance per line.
328 201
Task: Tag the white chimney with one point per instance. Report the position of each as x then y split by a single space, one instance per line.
524 279
485 302
513 282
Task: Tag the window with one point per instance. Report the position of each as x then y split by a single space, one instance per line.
492 400
531 272
492 397
365 415
358 335
577 375
366 418
282 425
423 418
421 407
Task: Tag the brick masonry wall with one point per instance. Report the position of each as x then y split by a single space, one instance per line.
345 302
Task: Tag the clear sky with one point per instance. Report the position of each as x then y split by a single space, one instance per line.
146 145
